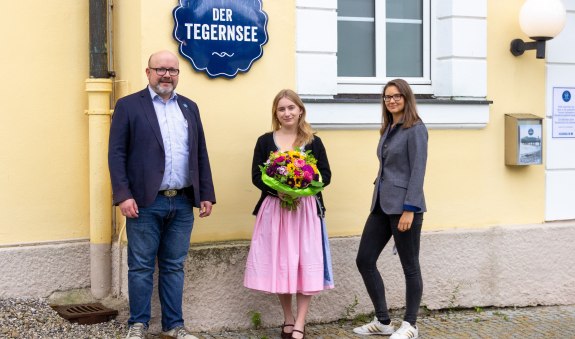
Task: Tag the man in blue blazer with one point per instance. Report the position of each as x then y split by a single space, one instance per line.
160 170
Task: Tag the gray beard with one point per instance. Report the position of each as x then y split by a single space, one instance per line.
160 90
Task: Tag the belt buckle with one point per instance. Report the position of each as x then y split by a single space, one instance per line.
170 193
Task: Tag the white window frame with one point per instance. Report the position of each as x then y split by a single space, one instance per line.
371 85
458 69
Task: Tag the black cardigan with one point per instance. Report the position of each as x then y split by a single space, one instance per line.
265 145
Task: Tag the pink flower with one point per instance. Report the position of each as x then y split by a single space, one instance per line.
299 163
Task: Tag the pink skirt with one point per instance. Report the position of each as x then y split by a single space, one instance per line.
286 255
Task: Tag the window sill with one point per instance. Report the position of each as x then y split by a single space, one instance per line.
363 111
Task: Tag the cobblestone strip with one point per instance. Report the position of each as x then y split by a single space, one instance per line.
33 318
491 323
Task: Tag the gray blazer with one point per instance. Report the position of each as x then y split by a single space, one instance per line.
402 154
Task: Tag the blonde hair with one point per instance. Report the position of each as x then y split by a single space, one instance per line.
304 131
410 115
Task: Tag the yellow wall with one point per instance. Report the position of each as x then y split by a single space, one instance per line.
234 112
43 129
468 184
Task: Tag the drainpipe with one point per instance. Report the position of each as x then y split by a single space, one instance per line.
99 88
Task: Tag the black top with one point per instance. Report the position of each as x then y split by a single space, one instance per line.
265 145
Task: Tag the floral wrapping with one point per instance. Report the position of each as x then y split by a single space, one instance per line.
293 173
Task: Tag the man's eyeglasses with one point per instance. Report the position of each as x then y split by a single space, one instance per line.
396 97
162 71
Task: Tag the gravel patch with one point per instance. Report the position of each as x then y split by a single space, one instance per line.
34 318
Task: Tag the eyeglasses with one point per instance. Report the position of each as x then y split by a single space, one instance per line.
396 97
162 71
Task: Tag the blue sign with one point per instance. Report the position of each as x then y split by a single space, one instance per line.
221 37
566 96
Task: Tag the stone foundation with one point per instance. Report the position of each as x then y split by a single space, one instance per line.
499 266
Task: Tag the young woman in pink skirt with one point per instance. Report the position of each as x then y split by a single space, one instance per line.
289 252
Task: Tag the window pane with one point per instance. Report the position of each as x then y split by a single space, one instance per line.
404 45
355 49
404 9
356 8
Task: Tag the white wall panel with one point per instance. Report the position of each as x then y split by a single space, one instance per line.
569 4
443 41
475 8
325 4
443 70
560 195
316 74
562 48
457 57
469 37
469 78
316 31
560 152
453 38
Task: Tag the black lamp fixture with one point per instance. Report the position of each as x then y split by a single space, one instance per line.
540 20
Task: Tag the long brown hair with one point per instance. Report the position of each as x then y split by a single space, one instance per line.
410 115
304 131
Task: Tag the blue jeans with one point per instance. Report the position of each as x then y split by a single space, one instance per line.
379 228
161 231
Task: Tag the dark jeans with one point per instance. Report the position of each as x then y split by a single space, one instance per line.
379 228
162 232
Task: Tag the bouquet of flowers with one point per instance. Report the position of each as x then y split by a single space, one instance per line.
293 173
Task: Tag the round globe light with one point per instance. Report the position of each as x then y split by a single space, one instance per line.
542 19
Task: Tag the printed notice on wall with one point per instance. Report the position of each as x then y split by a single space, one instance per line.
563 112
530 144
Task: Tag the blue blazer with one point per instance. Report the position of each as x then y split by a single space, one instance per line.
136 156
402 154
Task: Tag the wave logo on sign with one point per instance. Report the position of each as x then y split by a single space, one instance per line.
221 37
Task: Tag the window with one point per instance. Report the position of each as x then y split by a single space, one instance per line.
380 40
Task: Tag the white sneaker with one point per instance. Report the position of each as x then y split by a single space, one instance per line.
406 331
136 331
374 327
179 332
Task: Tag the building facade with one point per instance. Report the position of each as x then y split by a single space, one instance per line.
494 234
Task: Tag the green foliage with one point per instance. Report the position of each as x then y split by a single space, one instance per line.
256 319
350 309
349 314
362 318
499 314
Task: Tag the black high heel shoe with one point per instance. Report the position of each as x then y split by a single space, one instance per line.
286 335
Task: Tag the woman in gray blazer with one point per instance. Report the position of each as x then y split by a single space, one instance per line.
396 210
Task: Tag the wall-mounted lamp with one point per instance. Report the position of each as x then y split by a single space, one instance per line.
540 20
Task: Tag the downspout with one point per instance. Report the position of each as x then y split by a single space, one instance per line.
99 88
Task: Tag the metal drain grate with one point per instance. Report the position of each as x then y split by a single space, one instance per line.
85 313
